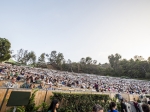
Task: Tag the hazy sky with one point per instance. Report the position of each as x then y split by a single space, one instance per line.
78 28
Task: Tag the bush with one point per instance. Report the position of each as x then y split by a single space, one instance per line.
80 102
70 102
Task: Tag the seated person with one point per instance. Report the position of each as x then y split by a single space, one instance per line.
1 70
47 80
42 85
63 83
32 86
16 74
1 78
37 80
56 84
136 105
8 77
11 73
50 87
12 84
26 84
18 78
22 73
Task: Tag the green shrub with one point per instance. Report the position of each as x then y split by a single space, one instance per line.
80 102
70 102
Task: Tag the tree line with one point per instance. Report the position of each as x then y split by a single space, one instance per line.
136 67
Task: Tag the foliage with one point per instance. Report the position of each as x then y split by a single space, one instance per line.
56 59
80 102
70 102
117 67
114 61
42 58
5 52
31 107
25 57
31 58
88 60
44 107
53 57
41 61
133 68
147 75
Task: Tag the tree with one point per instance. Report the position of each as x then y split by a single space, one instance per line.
70 64
59 60
31 58
25 57
53 57
94 62
114 60
83 61
111 59
88 60
105 65
148 59
21 56
5 52
41 59
56 60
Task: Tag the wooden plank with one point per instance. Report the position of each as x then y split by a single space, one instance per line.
39 97
49 94
4 108
3 92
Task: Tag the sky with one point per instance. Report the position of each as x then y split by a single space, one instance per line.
78 28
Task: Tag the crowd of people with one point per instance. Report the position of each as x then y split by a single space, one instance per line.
30 78
48 78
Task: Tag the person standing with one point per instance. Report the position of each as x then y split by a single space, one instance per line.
148 102
112 107
96 87
54 106
123 106
145 108
136 105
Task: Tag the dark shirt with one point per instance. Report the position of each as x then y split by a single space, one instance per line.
136 105
123 107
